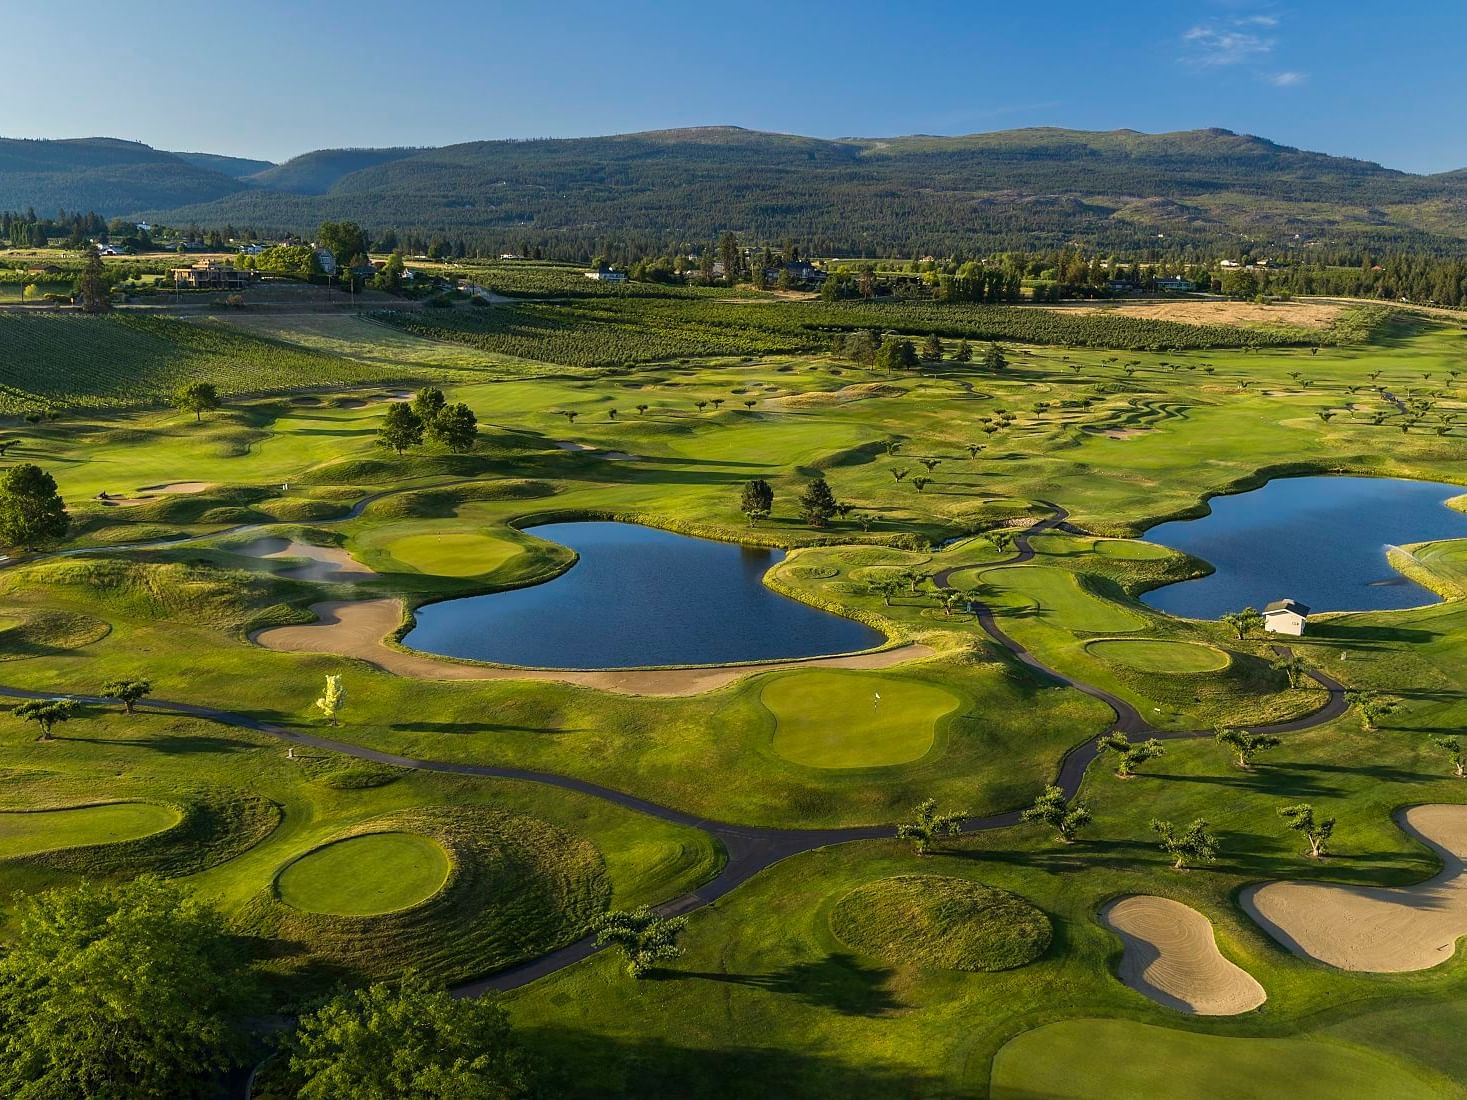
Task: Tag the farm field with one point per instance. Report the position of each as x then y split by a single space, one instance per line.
989 522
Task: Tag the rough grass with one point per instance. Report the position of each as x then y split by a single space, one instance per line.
942 923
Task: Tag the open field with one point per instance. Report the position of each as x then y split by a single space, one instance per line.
467 819
1304 315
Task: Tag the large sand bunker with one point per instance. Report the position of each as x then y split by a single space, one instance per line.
323 563
148 493
356 628
1377 929
1171 956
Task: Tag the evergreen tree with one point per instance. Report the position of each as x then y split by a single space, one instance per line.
817 503
91 286
757 500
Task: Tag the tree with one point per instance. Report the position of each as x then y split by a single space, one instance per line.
932 348
46 713
1317 831
127 990
642 936
32 512
332 700
1129 754
1053 809
411 1040
1246 745
197 398
896 355
428 402
401 428
817 503
127 692
1293 666
344 240
1194 844
1452 746
757 500
1371 706
390 277
91 285
928 826
885 585
456 427
964 352
1250 618
994 358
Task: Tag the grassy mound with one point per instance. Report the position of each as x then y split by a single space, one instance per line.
365 875
26 632
24 832
1104 1059
941 923
830 719
453 554
516 887
1160 655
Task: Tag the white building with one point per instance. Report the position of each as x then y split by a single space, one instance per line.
1285 617
607 276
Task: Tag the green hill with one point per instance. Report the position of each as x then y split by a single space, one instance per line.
103 174
233 167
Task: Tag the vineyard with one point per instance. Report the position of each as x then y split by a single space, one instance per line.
615 331
62 360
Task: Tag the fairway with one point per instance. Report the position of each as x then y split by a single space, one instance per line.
942 923
1160 655
1130 550
365 875
1061 599
452 554
47 830
1120 1060
834 719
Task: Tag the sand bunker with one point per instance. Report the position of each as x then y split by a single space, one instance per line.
323 563
861 391
356 628
620 456
147 493
178 487
1172 957
1377 929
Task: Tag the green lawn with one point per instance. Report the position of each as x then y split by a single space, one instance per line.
362 875
452 554
110 823
854 720
1160 655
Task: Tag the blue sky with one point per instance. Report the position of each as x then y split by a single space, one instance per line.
1377 81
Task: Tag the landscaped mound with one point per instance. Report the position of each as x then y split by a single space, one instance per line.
1160 655
365 875
25 832
853 720
941 923
34 632
516 887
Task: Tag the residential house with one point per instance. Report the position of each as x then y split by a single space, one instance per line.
212 275
1285 617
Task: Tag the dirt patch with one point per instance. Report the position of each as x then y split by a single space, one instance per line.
1171 956
330 564
1311 315
1377 929
356 628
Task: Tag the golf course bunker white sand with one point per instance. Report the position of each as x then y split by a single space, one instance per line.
324 563
146 493
356 628
1171 956
1373 928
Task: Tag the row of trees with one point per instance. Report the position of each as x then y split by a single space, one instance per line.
816 502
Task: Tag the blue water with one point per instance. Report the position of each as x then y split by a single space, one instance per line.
638 596
1319 540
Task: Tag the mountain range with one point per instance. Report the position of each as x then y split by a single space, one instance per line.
1030 188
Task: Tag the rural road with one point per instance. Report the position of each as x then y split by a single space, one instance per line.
749 849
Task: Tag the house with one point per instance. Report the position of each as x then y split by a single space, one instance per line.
327 260
1230 265
1285 617
211 275
800 272
604 276
1174 283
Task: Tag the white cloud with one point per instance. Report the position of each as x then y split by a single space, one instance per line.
1288 79
1210 45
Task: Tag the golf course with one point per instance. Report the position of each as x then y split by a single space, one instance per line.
868 681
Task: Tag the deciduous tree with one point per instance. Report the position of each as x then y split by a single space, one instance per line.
127 692
1194 844
401 428
928 826
1245 745
1129 754
1053 809
32 512
642 936
1316 830
46 713
197 398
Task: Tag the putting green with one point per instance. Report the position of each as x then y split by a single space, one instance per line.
1061 599
941 923
46 830
1105 1059
453 554
828 719
1159 655
365 875
1130 550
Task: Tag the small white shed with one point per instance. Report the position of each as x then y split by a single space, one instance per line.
1285 617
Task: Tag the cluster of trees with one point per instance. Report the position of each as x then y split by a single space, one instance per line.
871 348
429 415
816 501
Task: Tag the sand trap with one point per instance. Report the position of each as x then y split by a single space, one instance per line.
147 493
324 563
1115 433
620 456
356 628
1171 956
1371 928
177 487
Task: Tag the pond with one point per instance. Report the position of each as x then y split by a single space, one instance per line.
1319 540
638 596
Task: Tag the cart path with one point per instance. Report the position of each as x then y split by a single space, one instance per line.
749 849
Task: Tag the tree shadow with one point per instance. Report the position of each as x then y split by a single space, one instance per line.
476 727
839 982
171 745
